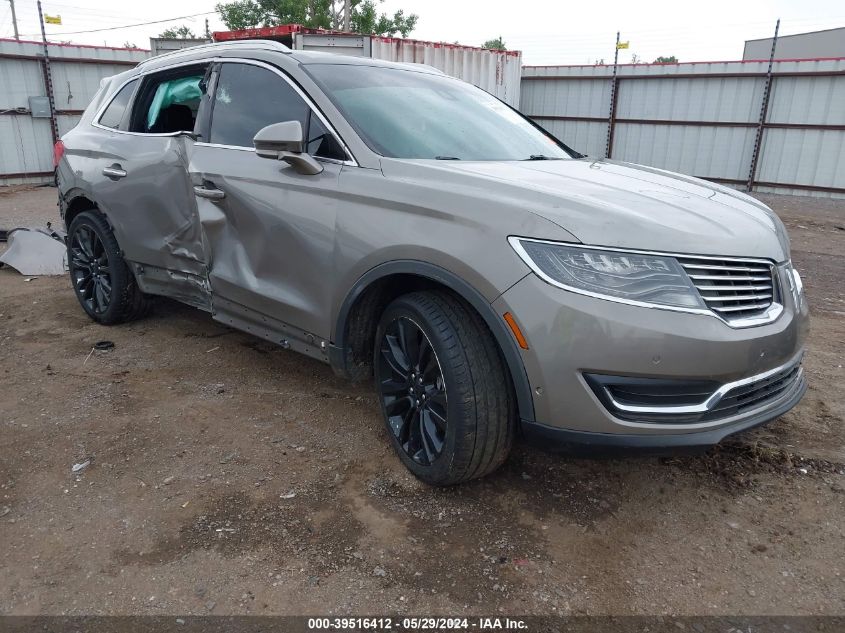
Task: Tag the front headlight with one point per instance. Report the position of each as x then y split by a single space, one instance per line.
629 277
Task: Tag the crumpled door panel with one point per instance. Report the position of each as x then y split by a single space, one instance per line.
153 209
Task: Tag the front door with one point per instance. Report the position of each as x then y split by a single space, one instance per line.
269 230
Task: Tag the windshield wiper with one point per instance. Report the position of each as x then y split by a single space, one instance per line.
541 157
446 158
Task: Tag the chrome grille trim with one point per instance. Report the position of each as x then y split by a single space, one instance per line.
734 289
779 379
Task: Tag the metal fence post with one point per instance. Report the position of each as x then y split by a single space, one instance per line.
611 119
48 79
764 111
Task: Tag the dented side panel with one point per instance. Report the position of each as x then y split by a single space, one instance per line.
271 239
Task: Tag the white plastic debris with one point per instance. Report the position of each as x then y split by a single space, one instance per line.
35 252
78 468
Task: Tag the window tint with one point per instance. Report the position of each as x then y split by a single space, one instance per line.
113 114
249 98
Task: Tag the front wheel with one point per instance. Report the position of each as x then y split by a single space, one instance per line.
444 391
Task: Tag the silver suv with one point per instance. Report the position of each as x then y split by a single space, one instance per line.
399 224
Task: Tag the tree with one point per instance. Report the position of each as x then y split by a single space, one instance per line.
364 16
497 44
666 60
179 33
129 45
636 59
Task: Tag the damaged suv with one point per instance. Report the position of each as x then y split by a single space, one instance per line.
405 226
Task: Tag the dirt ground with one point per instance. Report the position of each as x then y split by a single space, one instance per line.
229 476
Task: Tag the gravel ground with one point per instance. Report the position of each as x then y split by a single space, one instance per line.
228 476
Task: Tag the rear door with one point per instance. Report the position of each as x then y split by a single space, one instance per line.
144 186
270 230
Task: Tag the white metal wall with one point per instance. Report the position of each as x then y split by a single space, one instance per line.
497 72
701 118
26 143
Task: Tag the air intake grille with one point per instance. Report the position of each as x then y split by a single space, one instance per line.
755 394
733 289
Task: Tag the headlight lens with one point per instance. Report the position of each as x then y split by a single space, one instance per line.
652 279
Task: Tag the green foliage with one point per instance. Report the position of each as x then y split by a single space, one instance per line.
325 14
498 44
365 18
666 60
179 33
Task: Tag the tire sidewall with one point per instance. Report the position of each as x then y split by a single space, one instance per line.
442 470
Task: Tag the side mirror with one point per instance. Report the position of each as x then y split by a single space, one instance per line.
283 141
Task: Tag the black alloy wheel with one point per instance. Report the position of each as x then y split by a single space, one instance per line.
444 390
90 270
413 391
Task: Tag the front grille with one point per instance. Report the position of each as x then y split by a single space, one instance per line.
733 289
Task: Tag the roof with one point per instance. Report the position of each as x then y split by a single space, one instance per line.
303 57
222 46
783 37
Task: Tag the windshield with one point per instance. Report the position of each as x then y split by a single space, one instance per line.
406 114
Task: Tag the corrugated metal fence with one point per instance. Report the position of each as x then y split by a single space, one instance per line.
26 143
702 119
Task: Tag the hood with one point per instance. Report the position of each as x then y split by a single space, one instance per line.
609 203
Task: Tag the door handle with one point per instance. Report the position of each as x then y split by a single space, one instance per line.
211 194
115 172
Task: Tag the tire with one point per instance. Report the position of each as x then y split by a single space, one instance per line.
103 284
459 426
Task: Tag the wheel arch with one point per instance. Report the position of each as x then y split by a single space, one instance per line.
75 202
369 296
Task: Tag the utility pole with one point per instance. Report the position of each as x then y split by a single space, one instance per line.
207 31
14 19
347 11
48 78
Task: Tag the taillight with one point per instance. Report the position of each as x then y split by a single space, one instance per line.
58 152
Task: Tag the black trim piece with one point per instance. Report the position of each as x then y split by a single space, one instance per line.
559 439
339 354
654 392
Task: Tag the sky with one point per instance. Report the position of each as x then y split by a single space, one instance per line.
546 31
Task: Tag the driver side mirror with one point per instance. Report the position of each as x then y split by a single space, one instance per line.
284 141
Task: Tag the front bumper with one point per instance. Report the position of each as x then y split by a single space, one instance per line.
571 336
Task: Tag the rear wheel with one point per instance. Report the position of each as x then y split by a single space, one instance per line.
103 283
445 394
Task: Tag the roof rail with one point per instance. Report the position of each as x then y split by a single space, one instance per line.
232 44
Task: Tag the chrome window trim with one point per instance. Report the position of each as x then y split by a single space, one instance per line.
712 400
774 311
304 96
241 148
